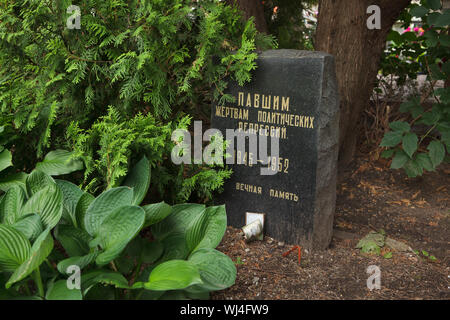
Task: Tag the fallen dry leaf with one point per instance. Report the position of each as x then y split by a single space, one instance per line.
406 202
415 195
394 202
344 225
362 168
420 203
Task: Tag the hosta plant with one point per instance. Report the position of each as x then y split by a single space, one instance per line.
122 249
55 163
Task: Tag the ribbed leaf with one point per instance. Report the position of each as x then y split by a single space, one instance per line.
173 275
13 179
48 203
37 181
30 225
196 231
82 206
217 270
71 196
11 205
139 179
59 162
81 262
5 159
212 232
39 251
14 248
2 197
175 247
74 240
156 212
117 230
181 218
108 277
60 291
104 205
100 292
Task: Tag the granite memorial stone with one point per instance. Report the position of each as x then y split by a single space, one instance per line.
292 98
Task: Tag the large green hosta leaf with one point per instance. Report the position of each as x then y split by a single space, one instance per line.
1 205
71 196
5 159
181 218
80 211
59 162
196 231
208 229
37 181
175 247
156 212
60 291
11 205
173 275
48 203
139 179
140 249
10 180
217 270
39 251
81 262
14 248
108 277
30 225
117 230
75 241
103 205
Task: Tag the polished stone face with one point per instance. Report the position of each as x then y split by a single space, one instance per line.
293 96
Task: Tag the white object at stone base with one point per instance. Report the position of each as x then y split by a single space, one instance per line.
254 226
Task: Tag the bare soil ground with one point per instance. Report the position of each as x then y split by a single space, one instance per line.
373 197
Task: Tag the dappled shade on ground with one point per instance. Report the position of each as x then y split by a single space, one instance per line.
413 211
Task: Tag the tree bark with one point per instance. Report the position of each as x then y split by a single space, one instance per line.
342 31
252 8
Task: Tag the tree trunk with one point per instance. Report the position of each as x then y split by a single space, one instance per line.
342 31
252 8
